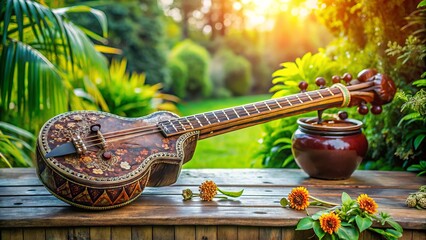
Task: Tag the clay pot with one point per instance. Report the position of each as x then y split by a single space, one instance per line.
331 150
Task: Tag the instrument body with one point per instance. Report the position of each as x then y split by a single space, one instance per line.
92 181
97 160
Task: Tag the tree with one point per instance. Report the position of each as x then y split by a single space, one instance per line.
186 9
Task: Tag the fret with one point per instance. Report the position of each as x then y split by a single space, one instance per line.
179 127
211 118
226 115
300 100
244 107
220 115
255 107
188 122
242 112
230 112
196 122
319 94
272 104
206 118
251 109
330 91
267 106
170 121
236 112
216 116
181 124
288 101
308 96
278 103
261 107
203 120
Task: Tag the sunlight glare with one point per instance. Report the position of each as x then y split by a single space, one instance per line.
258 11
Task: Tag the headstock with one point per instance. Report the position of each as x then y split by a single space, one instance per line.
369 87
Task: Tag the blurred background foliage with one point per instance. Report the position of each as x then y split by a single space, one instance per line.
133 57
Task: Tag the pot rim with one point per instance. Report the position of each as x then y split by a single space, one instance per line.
306 123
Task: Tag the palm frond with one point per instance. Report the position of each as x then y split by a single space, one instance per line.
43 56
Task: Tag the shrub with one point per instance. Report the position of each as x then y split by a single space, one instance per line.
128 95
179 77
233 72
196 60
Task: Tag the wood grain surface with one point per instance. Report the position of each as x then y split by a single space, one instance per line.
29 211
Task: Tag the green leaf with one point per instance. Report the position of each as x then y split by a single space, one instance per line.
346 198
418 140
231 194
318 230
395 225
284 202
305 223
348 233
397 234
422 4
363 223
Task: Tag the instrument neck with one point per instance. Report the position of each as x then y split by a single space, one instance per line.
230 119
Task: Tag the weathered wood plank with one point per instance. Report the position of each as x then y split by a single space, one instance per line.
184 232
206 232
12 234
79 233
142 232
176 201
159 215
56 233
25 202
257 177
122 233
100 233
34 234
163 232
417 235
269 233
248 233
227 232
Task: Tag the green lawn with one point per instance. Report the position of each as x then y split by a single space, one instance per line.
230 150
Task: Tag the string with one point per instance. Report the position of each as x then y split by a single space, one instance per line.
123 138
144 130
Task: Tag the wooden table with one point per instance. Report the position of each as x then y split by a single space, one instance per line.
28 211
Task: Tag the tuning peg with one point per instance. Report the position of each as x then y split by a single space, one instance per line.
376 109
336 79
366 74
320 82
363 109
347 77
303 86
343 115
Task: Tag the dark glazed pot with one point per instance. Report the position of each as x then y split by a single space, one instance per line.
331 150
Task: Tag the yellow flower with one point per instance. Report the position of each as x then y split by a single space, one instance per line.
329 222
367 204
298 198
208 190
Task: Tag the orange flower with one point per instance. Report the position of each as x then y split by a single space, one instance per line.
367 204
329 222
208 190
298 198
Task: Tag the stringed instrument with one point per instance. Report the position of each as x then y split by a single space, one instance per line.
97 160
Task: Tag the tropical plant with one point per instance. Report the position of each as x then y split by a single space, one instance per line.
128 95
276 143
16 145
42 54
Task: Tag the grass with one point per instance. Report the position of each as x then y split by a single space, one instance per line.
231 150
